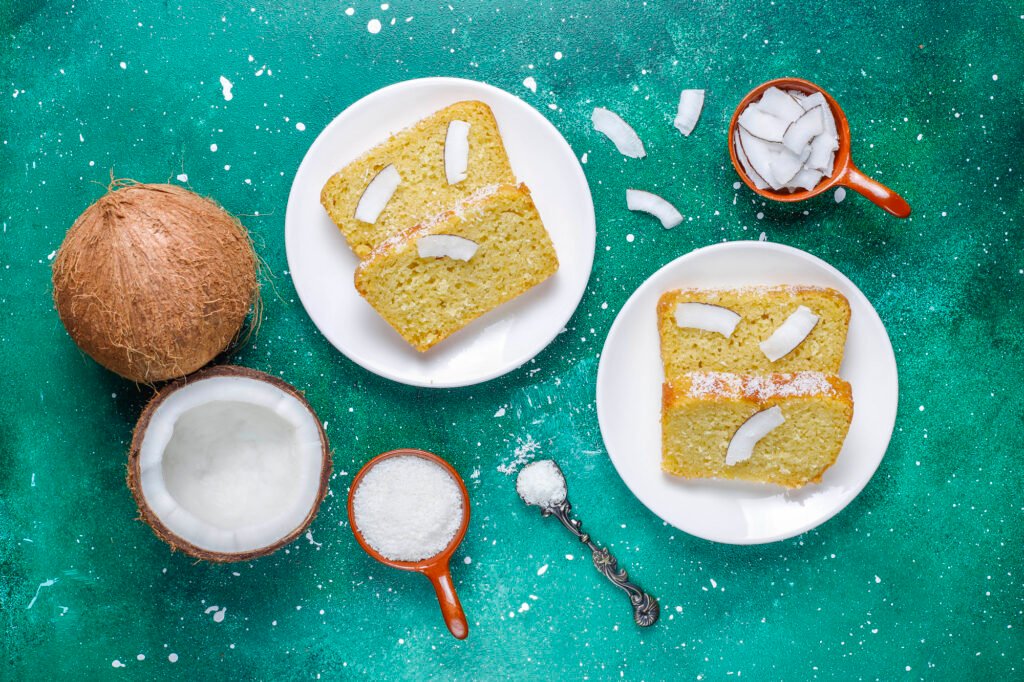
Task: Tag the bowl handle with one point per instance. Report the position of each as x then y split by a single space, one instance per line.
876 192
454 617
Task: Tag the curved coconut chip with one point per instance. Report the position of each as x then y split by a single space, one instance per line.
178 543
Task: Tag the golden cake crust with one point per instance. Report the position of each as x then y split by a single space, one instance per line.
428 299
417 153
762 309
702 411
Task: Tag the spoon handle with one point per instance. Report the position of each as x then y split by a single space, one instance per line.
645 607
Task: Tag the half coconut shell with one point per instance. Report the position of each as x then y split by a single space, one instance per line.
204 436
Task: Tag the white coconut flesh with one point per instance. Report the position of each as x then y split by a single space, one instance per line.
377 195
646 202
231 464
619 132
750 432
787 140
456 152
446 246
710 318
691 102
790 334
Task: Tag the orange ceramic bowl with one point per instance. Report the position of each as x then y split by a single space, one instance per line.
844 172
436 567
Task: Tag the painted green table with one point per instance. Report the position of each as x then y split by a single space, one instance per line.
920 577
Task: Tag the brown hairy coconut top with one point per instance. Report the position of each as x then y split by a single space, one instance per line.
134 476
153 281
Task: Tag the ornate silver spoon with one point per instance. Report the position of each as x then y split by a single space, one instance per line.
541 484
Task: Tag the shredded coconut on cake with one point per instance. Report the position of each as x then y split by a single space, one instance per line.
728 385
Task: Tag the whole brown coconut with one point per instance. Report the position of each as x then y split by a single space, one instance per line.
153 281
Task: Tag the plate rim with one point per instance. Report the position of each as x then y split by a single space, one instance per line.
889 359
587 225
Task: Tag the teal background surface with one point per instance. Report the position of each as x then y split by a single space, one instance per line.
919 578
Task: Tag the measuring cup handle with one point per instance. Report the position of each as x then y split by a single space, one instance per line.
451 609
876 192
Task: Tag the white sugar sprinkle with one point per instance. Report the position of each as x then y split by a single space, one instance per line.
840 195
530 83
373 26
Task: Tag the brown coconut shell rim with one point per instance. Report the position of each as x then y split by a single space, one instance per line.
177 542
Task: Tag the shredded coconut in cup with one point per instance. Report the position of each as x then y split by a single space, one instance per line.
408 508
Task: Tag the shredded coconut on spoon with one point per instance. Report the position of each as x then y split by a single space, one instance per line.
541 484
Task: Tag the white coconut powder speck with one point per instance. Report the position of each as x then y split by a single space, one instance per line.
408 508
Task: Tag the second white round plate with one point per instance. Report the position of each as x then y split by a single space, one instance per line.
322 265
629 402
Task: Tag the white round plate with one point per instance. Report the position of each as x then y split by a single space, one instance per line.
629 402
322 266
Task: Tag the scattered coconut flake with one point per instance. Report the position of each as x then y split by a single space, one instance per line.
619 132
542 570
456 152
373 26
226 86
530 84
541 484
840 194
790 334
691 102
377 195
639 200
500 412
525 451
741 446
182 177
173 658
300 126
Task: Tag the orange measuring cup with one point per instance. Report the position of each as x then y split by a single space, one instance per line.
844 172
435 568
